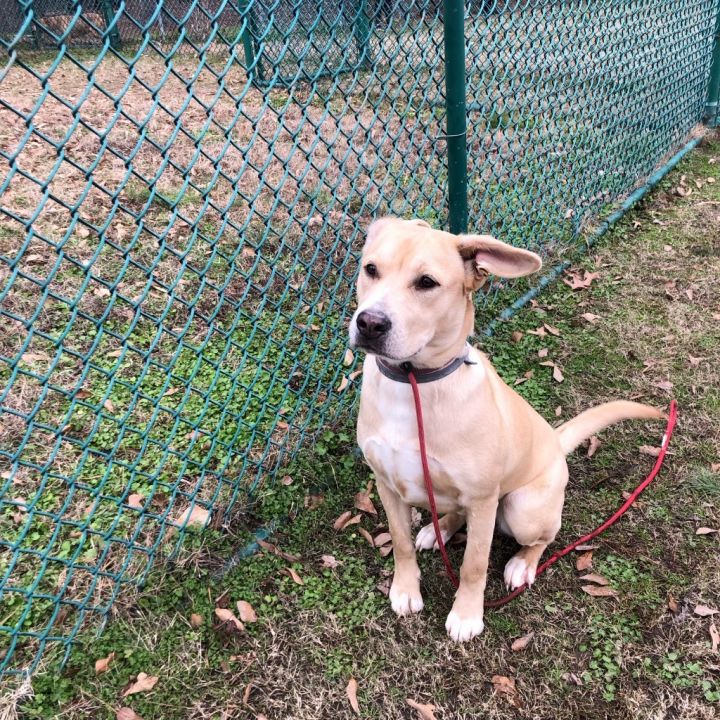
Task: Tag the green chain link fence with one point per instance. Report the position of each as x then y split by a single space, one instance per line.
184 187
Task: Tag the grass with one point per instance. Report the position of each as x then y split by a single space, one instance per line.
657 305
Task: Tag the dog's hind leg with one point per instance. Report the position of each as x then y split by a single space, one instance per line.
449 525
405 594
532 514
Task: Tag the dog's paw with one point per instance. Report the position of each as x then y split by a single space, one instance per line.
463 629
426 539
404 602
518 572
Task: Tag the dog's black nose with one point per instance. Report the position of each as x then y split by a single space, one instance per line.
373 325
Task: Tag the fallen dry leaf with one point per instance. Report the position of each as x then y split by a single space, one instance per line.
714 636
329 561
382 539
364 503
343 384
704 610
516 336
557 374
349 357
342 521
595 578
579 281
82 394
425 712
594 445
126 713
590 317
143 683
503 684
246 693
351 691
313 501
522 642
108 405
135 501
649 450
543 352
385 550
228 616
246 612
584 561
572 678
672 604
197 515
294 575
103 664
664 385
552 330
558 411
540 332
196 620
367 536
705 531
715 467
599 591
287 480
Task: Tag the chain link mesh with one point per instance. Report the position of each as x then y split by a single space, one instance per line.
184 187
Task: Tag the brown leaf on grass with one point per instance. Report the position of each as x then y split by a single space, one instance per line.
543 352
382 539
572 678
704 610
695 361
522 642
126 713
143 683
599 591
103 664
503 684
649 450
557 374
705 531
287 480
354 374
558 411
425 712
595 578
672 604
584 561
664 385
196 620
313 501
349 357
342 521
108 405
329 561
384 587
343 384
715 467
351 692
246 612
197 515
277 551
385 550
552 330
594 445
364 503
82 394
135 501
579 280
540 332
516 336
367 536
590 317
714 636
228 616
246 693
294 575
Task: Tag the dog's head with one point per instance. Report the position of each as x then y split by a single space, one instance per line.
415 285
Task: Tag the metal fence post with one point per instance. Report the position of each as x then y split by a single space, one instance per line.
252 62
712 107
455 90
109 16
361 30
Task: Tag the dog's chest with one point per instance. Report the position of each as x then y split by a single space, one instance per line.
391 448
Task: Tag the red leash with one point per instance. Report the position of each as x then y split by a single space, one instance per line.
672 418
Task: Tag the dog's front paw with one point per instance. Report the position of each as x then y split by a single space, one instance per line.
462 629
426 539
405 601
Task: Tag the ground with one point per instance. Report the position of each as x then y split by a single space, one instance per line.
648 328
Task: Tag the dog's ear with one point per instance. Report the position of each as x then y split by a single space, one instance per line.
377 225
484 255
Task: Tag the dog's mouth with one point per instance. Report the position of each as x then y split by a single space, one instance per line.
378 349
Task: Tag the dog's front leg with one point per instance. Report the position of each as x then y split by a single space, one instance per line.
405 589
465 620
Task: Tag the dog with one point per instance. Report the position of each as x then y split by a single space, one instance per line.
493 459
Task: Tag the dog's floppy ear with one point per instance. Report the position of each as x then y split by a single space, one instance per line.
486 256
377 225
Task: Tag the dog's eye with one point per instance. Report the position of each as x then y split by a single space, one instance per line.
371 270
426 283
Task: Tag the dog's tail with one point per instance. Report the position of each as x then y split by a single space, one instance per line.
587 423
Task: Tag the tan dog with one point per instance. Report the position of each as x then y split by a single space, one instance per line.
492 457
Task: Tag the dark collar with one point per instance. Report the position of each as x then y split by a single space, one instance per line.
400 373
